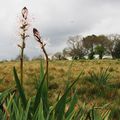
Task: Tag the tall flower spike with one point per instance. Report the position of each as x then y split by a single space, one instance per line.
36 34
38 38
23 28
24 13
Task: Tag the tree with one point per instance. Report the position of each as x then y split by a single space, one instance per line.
97 44
91 54
112 46
58 55
66 52
88 43
117 49
76 49
100 51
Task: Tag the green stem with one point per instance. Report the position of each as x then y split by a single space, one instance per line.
46 56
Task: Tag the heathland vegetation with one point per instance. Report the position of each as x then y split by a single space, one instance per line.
62 89
98 85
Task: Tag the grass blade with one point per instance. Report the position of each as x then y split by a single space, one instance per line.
60 107
72 105
20 89
44 90
38 95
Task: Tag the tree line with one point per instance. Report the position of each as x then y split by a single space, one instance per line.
79 47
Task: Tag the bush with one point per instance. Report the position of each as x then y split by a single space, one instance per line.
101 78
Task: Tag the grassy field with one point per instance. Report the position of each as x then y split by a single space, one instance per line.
88 91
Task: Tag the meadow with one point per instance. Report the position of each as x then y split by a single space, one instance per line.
88 90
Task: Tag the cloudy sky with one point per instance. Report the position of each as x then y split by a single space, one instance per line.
57 20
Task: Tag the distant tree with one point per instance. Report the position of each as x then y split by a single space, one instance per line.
91 54
78 46
99 42
113 41
117 49
88 43
66 52
40 57
58 55
25 57
100 50
102 40
76 49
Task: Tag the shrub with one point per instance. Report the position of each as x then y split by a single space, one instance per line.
101 78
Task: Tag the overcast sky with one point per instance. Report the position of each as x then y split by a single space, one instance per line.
56 20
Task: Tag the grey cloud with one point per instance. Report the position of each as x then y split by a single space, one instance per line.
56 20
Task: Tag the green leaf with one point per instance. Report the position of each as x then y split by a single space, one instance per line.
81 114
16 110
38 95
40 111
94 114
38 115
70 116
72 105
27 110
60 107
5 94
20 89
106 115
44 90
41 71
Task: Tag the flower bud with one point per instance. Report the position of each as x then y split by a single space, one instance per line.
36 34
24 13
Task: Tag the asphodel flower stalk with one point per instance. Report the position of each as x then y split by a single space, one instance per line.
23 29
42 45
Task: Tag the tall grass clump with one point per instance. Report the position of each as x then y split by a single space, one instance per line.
15 105
101 86
99 78
102 79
